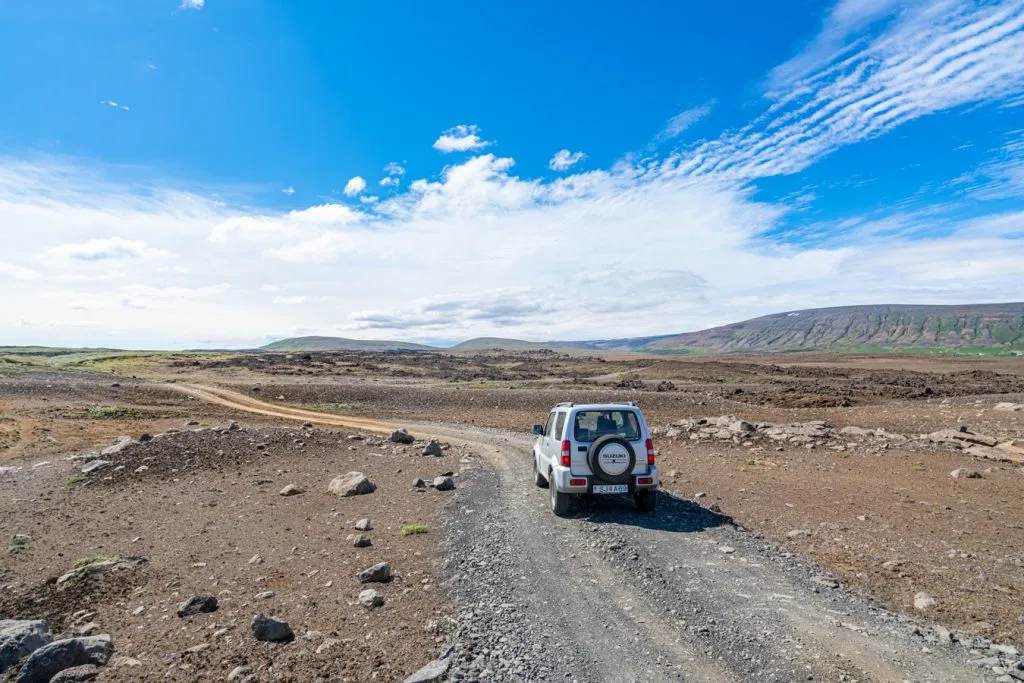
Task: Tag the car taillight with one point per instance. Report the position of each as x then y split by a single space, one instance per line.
566 453
650 452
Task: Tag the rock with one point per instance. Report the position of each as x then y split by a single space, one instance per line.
419 484
196 649
433 671
265 595
99 567
256 559
291 490
825 581
923 601
197 604
727 549
270 629
8 470
351 484
1011 407
715 507
855 431
964 473
443 483
238 672
799 533
95 465
433 448
378 573
361 541
370 598
327 645
401 436
120 443
364 525
77 674
49 660
1004 650
985 662
742 427
19 639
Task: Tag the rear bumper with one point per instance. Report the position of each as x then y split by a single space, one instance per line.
562 478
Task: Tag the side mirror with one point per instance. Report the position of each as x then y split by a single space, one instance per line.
538 430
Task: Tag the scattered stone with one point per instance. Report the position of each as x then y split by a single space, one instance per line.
727 549
99 567
419 484
77 674
799 533
443 483
197 604
291 490
1011 407
196 649
272 630
964 473
327 645
855 431
238 672
370 598
433 671
433 448
351 484
19 639
265 595
923 601
256 559
8 470
364 525
49 660
825 581
401 436
742 427
120 443
96 465
378 573
361 541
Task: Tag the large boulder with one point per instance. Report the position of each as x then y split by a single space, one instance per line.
49 660
77 674
401 436
19 639
378 573
351 484
271 630
443 483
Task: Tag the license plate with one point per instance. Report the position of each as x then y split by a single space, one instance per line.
611 488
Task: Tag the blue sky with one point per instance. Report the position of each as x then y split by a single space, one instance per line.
224 172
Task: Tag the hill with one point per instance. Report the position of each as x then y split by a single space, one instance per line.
499 343
342 344
979 327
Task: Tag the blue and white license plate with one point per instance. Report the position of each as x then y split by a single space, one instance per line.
611 488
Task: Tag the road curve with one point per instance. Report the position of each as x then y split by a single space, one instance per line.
608 594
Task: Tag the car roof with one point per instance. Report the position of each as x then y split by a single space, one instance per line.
597 406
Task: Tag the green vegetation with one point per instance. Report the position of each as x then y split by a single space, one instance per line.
918 468
108 412
749 462
74 481
411 529
86 561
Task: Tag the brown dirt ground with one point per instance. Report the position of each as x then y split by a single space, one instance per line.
960 540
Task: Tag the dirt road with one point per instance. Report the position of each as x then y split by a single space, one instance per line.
609 594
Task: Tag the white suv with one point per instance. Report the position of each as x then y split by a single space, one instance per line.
595 449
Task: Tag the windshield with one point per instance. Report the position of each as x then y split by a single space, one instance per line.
591 424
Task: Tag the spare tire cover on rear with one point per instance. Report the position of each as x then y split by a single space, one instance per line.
612 459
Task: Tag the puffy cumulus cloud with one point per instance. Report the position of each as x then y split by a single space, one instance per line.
463 138
192 4
390 181
564 160
394 168
320 249
354 186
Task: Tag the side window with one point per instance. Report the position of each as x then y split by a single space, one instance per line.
559 425
550 425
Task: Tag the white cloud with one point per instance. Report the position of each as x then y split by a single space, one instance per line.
115 105
321 249
291 299
192 4
289 190
270 289
564 160
463 138
369 199
354 186
683 120
390 181
110 249
15 272
394 168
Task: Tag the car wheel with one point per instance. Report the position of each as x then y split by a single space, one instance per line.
538 478
646 500
559 500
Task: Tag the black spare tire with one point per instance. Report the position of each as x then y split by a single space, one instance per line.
612 459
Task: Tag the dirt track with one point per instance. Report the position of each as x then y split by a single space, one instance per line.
684 595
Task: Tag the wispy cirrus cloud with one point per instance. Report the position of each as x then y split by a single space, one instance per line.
683 120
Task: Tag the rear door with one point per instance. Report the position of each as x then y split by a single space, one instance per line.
545 443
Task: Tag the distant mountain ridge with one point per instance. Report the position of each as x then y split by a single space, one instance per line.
972 327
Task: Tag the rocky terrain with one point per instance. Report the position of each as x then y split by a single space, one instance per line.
877 537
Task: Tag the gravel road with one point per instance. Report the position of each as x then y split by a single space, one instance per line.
609 594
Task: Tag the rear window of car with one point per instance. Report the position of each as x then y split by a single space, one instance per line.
590 424
559 425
